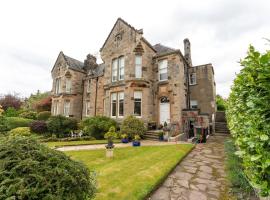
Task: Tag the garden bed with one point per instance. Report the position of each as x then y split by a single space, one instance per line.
132 173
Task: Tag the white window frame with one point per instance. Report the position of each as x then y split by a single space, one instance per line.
193 103
113 98
68 85
87 108
58 85
162 69
121 68
67 108
114 70
121 96
55 107
138 66
137 95
194 78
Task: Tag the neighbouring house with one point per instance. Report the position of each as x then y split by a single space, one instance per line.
153 82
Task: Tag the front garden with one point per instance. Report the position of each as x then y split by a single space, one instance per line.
133 172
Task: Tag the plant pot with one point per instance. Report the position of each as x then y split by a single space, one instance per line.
136 143
161 138
124 140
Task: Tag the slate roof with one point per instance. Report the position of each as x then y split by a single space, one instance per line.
98 71
161 49
73 63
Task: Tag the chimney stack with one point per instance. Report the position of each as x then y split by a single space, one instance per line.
187 51
90 63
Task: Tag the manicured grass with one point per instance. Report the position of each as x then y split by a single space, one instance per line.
75 143
133 172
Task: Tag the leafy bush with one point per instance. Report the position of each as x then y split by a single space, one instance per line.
14 122
30 170
45 115
248 117
10 101
3 124
221 103
132 126
44 104
38 127
28 114
21 131
97 126
61 126
11 112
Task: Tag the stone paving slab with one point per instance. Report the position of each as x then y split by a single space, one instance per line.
200 176
118 145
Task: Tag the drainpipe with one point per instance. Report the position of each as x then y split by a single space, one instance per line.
188 91
82 99
96 96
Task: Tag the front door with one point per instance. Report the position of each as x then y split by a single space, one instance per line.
164 111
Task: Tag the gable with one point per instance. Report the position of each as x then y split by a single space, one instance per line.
121 31
60 60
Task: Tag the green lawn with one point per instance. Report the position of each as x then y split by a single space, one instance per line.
134 171
74 143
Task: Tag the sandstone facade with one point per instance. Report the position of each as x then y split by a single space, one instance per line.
151 82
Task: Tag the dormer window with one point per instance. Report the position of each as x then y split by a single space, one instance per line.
163 70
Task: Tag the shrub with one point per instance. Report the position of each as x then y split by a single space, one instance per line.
11 112
248 117
10 101
60 125
14 122
3 124
28 114
45 115
21 131
133 126
97 126
38 127
30 170
44 104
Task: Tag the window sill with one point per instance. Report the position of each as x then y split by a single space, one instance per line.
193 84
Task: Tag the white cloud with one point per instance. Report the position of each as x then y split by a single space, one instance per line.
33 32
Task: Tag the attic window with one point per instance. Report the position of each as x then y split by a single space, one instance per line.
118 38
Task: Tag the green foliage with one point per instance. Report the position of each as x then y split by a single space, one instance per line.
97 126
28 114
133 126
248 116
14 122
239 183
137 138
20 131
111 134
44 115
11 112
1 110
61 126
124 136
3 124
221 103
30 170
34 99
38 127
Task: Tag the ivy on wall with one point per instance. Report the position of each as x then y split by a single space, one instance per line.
248 116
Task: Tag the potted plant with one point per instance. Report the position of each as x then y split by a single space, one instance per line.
110 135
161 136
124 138
136 142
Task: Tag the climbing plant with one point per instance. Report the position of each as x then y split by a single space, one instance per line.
248 116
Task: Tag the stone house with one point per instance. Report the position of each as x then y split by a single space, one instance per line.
152 82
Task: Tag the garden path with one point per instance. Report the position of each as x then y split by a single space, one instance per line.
200 176
118 145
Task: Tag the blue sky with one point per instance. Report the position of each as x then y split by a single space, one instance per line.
33 32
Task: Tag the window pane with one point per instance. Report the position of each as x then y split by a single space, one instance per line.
137 108
68 85
121 104
114 70
138 60
121 68
163 76
163 70
113 104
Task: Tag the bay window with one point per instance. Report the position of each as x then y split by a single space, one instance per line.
138 103
163 70
138 66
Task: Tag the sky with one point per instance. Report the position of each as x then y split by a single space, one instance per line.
33 32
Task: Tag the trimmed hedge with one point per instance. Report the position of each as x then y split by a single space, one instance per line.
30 170
248 116
15 122
20 131
132 126
38 127
45 115
97 126
61 126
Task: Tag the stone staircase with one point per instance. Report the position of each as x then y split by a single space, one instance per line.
221 128
152 135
